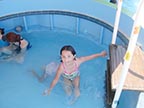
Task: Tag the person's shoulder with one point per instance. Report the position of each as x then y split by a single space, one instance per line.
78 60
24 40
24 43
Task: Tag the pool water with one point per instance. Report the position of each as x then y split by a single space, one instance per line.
19 88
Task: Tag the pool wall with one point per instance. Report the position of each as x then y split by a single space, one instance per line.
95 9
75 16
94 29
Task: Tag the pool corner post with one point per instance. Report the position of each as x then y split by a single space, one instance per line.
117 18
129 52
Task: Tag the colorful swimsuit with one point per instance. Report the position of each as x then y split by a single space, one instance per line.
71 75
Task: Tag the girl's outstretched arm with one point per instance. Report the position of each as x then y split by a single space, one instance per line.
93 56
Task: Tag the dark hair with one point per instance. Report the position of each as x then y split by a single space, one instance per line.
68 48
13 37
2 30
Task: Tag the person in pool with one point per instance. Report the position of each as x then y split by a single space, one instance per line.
16 45
2 43
69 69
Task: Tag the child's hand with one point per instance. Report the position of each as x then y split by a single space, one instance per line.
103 53
46 92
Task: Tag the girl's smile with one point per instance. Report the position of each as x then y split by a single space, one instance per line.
67 56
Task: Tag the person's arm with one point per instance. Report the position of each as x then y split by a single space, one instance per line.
1 36
55 80
93 56
24 43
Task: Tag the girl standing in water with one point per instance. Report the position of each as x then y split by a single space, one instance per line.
69 69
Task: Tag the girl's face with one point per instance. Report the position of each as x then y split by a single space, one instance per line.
67 56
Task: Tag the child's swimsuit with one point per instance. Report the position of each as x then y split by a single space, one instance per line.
71 75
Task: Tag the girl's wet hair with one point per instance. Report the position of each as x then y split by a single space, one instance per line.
2 31
68 48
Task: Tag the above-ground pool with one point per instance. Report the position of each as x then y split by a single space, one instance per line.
21 89
49 25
